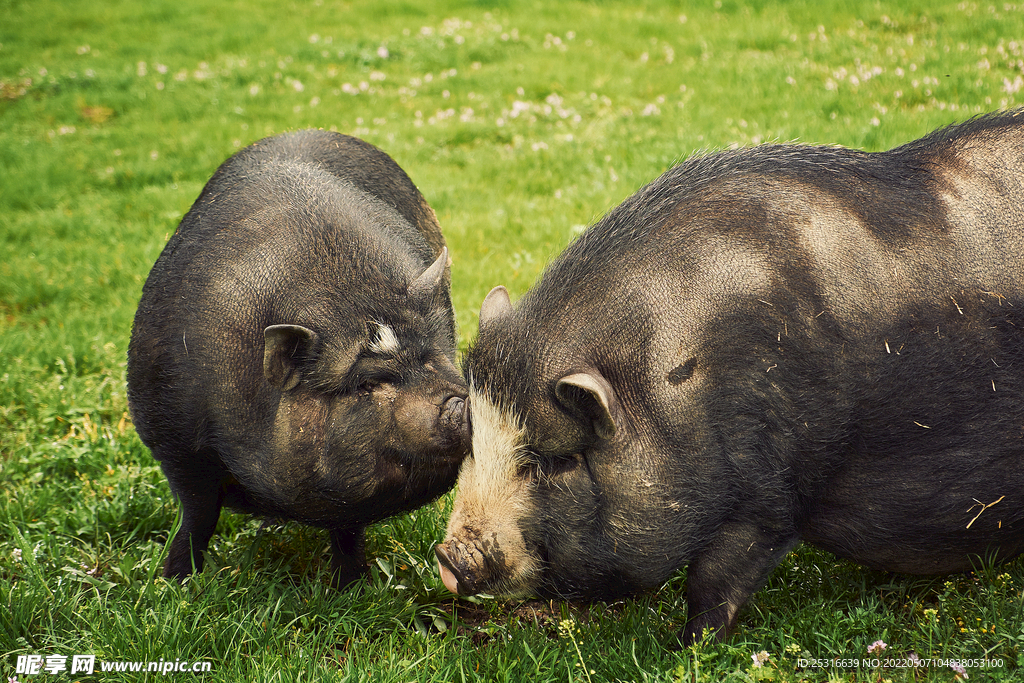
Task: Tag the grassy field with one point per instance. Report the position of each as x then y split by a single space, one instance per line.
521 122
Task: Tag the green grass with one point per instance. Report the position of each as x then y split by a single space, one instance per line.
521 122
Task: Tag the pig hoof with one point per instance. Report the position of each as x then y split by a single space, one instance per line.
346 577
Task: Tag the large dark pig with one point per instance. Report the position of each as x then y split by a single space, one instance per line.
292 354
761 347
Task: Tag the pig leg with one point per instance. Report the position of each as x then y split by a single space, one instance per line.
723 577
348 557
201 494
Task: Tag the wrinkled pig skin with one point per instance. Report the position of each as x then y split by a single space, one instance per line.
293 351
762 347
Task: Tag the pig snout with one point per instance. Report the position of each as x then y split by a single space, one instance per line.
460 567
437 427
450 433
454 421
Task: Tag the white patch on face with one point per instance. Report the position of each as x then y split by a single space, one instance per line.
493 497
386 342
498 447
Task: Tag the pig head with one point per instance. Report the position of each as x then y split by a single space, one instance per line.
383 393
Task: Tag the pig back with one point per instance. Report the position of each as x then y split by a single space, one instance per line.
351 160
847 244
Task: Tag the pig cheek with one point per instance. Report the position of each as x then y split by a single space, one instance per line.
299 442
355 456
590 544
379 425
565 535
386 436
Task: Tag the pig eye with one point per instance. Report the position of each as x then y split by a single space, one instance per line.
564 464
371 383
547 466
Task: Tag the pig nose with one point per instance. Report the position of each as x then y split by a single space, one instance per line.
455 408
453 421
453 575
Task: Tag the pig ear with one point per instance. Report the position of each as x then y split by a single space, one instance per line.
423 287
591 396
496 305
283 344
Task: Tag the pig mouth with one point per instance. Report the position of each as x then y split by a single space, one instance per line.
429 468
431 453
456 574
419 479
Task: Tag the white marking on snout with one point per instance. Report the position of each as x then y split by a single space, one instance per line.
493 498
386 342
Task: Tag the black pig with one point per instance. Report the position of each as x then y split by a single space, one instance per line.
761 347
293 351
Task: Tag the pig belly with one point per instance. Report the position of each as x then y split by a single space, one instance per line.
941 514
